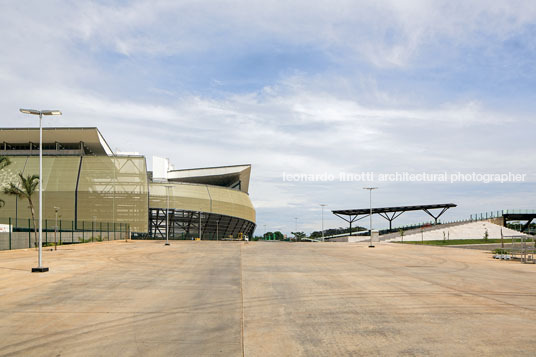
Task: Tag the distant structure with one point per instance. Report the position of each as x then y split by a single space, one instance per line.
89 182
390 213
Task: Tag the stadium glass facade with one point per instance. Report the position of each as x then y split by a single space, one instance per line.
88 182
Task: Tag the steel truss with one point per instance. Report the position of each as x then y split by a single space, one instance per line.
193 224
390 213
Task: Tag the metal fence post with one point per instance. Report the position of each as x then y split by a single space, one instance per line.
29 235
60 231
72 231
108 229
10 233
46 232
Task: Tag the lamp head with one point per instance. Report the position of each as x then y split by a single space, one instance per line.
51 112
40 112
30 111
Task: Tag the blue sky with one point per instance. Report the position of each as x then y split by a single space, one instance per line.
293 87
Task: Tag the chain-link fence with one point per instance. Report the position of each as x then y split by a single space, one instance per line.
19 233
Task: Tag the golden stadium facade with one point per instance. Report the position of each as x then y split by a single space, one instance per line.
88 182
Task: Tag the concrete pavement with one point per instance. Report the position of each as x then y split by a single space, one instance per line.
265 299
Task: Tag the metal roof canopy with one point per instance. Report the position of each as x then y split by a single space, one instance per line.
529 217
226 176
353 214
90 136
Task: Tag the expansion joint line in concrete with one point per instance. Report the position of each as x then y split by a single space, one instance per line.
242 303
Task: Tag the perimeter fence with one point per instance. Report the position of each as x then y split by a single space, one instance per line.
19 233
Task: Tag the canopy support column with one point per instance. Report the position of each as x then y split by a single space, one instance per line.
391 218
435 217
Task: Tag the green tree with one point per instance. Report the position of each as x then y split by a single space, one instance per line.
278 235
4 161
27 188
299 236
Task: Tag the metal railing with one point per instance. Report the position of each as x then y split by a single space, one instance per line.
498 214
522 248
19 233
472 218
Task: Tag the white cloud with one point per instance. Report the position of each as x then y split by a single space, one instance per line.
86 58
386 33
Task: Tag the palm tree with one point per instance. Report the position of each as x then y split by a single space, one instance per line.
4 161
28 187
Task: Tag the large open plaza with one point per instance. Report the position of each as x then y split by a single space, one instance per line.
198 298
267 178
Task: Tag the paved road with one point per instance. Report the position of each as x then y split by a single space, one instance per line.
265 299
489 247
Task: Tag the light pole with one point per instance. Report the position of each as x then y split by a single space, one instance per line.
56 209
324 205
40 268
167 215
370 215
296 231
93 228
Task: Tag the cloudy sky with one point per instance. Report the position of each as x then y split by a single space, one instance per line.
293 87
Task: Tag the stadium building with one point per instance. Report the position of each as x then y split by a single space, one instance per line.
87 182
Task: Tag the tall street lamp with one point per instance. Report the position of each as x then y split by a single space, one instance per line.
296 231
40 268
323 205
370 215
167 214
